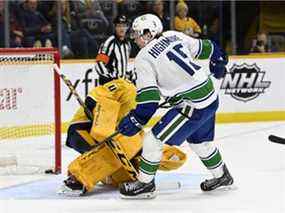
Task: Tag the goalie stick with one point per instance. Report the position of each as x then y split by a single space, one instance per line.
115 147
276 139
73 91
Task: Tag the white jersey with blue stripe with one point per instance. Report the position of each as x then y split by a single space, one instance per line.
170 64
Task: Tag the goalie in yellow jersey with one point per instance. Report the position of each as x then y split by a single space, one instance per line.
109 103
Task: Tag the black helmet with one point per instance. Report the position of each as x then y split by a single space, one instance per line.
121 19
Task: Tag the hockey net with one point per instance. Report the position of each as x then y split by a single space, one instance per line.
30 136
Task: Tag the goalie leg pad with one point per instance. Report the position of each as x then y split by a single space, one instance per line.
100 163
93 166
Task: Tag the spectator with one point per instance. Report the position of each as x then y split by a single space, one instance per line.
16 33
65 26
46 9
214 30
37 30
158 10
2 33
131 8
277 43
92 26
109 9
260 44
185 24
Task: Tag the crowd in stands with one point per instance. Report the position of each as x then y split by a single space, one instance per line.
85 24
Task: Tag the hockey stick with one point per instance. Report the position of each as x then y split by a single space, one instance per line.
73 91
276 139
115 147
167 105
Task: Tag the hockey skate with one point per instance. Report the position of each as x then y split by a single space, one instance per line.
72 188
211 184
138 190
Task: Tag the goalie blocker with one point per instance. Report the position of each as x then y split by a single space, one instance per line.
109 103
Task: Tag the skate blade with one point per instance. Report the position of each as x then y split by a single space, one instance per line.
149 195
222 189
66 191
227 188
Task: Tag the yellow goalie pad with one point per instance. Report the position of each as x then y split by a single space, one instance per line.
102 165
99 163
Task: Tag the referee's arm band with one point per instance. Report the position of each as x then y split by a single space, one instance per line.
102 57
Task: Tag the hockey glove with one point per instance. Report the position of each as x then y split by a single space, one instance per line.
130 125
218 62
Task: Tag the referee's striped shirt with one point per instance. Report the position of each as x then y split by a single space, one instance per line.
112 59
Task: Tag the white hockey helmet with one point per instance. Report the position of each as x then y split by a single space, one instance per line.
147 23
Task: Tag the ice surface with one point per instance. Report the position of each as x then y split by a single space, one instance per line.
257 166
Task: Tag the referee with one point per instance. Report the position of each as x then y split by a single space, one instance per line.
114 53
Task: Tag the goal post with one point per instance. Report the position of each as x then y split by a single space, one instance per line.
30 108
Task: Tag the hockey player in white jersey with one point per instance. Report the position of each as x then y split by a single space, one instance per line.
167 66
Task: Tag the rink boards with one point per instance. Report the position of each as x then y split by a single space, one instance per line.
250 91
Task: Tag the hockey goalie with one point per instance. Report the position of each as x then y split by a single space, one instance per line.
114 162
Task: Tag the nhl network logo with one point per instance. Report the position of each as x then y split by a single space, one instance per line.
244 82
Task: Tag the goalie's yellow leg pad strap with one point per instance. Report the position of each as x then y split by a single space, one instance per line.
105 118
172 158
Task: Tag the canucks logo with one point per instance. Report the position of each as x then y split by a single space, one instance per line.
244 82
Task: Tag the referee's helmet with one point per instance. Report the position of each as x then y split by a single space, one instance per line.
121 19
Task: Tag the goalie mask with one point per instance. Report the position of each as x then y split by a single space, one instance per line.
145 28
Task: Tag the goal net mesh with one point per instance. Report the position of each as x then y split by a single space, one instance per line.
29 108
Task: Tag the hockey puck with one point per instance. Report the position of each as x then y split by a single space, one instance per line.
49 171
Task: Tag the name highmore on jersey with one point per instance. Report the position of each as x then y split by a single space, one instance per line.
162 44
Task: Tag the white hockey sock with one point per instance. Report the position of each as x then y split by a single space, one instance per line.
151 156
210 156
